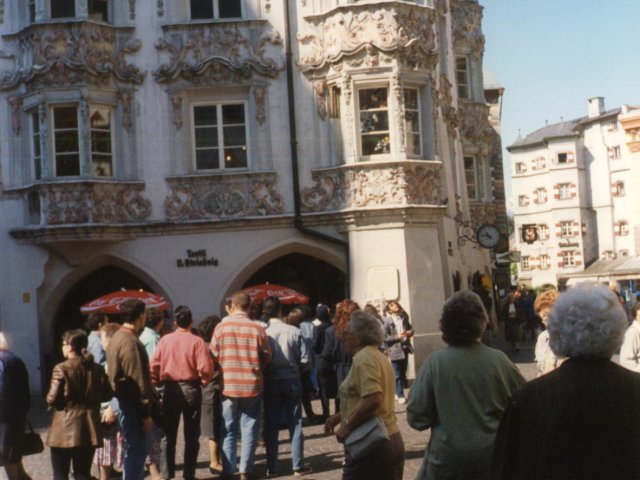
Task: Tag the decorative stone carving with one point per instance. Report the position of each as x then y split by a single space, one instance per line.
125 99
15 103
176 106
441 7
398 29
444 100
475 128
1 11
132 9
259 95
320 89
93 202
376 185
267 5
161 8
398 93
222 52
467 29
66 54
482 214
222 197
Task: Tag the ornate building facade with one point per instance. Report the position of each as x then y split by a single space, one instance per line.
576 187
342 147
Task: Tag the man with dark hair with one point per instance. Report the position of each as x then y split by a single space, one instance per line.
241 349
150 336
128 370
181 363
95 320
283 388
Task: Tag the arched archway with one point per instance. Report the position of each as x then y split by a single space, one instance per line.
319 280
103 280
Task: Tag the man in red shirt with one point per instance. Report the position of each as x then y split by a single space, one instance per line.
241 349
181 363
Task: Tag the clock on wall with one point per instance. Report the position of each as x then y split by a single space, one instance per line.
488 236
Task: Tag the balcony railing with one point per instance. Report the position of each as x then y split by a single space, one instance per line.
87 202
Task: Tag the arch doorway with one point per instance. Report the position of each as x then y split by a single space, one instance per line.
320 281
102 281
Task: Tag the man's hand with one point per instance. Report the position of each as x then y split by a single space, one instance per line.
331 423
147 423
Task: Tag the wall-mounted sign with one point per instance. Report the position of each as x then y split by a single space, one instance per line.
530 233
197 258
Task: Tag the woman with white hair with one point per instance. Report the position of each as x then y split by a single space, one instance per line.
581 420
14 405
460 393
367 391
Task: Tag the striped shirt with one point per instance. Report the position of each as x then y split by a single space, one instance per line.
241 349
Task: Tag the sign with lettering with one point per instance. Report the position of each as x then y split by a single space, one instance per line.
197 258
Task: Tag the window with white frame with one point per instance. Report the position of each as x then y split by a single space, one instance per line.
540 195
462 77
96 9
472 178
539 163
521 167
214 9
564 157
543 232
568 259
544 262
526 262
618 189
523 200
375 136
615 153
412 121
564 191
566 229
220 136
66 134
621 228
624 253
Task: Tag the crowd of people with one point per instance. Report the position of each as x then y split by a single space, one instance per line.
122 390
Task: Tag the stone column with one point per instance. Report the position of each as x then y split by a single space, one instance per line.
399 257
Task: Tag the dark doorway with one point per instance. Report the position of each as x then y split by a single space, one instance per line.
320 281
102 281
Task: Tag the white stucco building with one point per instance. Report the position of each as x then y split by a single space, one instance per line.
338 147
576 196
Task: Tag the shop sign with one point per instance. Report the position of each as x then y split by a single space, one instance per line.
197 258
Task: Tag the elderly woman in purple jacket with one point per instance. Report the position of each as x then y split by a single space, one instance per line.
397 334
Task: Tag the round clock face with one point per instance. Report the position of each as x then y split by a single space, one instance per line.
488 236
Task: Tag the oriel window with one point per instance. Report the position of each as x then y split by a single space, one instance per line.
374 121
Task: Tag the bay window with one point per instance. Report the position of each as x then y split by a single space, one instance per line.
220 136
475 177
68 125
462 77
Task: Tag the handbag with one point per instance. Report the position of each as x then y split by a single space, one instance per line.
31 442
366 438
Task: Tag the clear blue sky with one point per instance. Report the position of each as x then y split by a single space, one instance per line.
551 56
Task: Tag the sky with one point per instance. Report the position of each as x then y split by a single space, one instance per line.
551 56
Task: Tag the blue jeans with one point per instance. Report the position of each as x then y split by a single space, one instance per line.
245 414
136 440
400 372
282 399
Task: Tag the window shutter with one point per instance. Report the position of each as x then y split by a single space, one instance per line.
584 229
610 153
558 229
556 191
577 255
576 229
570 157
573 190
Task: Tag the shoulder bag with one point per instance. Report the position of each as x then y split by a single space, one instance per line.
31 442
365 438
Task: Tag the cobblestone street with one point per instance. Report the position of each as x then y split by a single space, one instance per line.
322 452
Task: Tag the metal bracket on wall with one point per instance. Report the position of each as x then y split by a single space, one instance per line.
466 232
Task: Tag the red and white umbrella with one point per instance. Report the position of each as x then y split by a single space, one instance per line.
110 303
258 293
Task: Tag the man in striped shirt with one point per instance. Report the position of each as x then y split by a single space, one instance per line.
241 350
